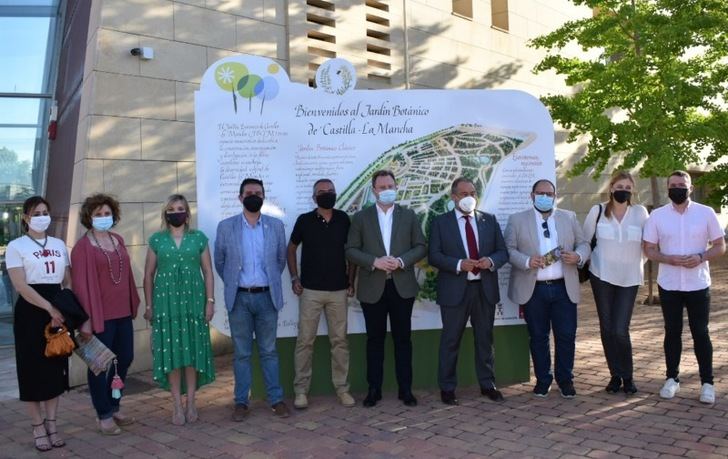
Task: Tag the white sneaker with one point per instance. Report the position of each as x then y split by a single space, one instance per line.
346 399
300 401
707 394
670 388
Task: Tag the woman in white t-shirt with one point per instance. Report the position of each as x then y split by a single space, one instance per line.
616 270
38 266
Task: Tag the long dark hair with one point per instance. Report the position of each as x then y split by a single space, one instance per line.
619 175
30 204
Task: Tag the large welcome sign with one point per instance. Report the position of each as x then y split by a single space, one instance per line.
251 121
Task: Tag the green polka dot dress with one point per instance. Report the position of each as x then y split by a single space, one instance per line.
180 334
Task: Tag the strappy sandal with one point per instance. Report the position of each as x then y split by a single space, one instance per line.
40 445
55 440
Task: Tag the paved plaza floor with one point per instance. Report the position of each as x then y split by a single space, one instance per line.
594 424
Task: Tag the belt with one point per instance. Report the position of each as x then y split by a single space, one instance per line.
550 282
473 281
253 289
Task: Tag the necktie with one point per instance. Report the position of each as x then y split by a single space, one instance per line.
472 244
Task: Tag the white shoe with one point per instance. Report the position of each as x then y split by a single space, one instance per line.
670 388
300 402
707 394
346 399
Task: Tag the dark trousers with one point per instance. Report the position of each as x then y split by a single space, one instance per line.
118 335
399 311
454 318
697 304
614 307
550 307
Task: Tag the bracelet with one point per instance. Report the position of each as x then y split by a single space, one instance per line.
295 278
148 308
211 300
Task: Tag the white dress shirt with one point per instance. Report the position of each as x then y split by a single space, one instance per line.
385 225
683 234
546 244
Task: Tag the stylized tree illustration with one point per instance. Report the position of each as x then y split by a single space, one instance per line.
247 86
267 88
228 75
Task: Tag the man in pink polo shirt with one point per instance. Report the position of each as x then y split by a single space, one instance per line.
682 236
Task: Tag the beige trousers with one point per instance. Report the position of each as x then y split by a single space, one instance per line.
334 307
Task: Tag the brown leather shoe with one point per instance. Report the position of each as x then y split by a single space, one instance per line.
240 413
281 410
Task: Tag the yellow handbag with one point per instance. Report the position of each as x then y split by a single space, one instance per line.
59 342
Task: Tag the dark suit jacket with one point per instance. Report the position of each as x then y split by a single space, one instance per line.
365 244
446 249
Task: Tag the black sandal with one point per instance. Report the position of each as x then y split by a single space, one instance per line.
41 446
58 442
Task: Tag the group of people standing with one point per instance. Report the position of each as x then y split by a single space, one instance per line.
178 280
373 255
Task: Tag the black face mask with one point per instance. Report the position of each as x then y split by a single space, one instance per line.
677 195
622 196
176 219
252 203
326 200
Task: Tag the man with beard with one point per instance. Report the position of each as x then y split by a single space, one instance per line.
545 245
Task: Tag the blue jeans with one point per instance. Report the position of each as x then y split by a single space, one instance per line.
118 335
255 313
550 307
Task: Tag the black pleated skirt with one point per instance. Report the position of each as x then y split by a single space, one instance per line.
39 378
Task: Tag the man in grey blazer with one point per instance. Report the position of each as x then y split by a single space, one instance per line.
385 241
545 246
467 248
250 255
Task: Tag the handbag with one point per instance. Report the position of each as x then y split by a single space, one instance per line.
94 354
584 273
73 313
58 341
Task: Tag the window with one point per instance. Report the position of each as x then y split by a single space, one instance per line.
463 8
27 51
28 30
499 14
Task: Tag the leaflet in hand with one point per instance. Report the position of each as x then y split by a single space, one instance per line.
552 256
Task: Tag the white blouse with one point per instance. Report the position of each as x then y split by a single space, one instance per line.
617 257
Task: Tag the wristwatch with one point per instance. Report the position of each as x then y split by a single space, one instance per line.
295 278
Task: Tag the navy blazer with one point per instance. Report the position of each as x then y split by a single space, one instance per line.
446 249
229 256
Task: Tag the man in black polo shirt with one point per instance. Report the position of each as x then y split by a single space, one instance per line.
324 286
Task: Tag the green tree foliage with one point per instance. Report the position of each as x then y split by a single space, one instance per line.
651 86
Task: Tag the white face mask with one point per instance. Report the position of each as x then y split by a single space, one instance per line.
39 223
102 223
387 196
467 204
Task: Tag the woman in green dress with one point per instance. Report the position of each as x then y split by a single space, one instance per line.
178 288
